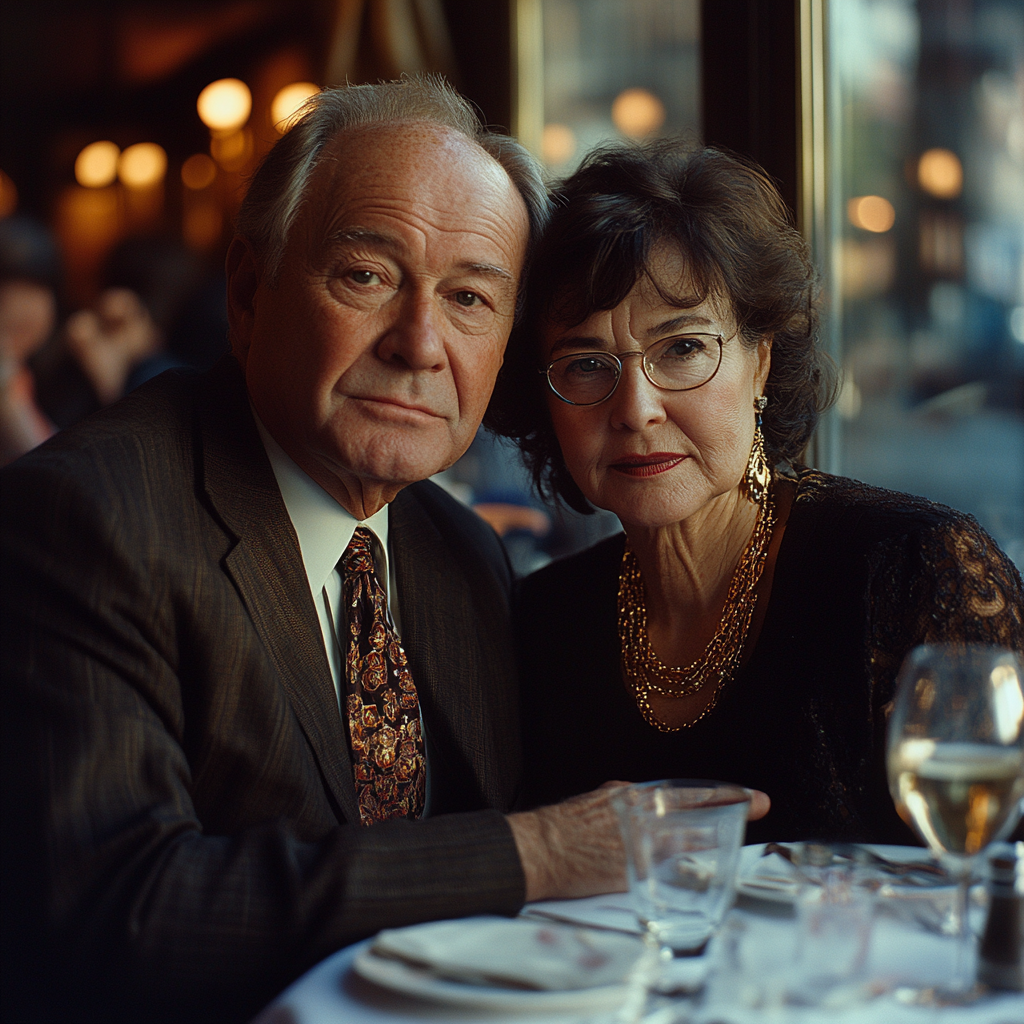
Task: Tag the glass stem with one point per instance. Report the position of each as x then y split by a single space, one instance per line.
961 981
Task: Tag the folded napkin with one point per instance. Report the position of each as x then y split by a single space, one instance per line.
516 953
770 878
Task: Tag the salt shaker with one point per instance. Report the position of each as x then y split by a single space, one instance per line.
1001 956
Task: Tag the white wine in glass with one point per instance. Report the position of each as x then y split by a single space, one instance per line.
955 756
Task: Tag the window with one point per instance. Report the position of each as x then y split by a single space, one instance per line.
593 71
923 248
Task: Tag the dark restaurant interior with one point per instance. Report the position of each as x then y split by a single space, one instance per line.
893 130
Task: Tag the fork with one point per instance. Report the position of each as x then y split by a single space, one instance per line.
890 867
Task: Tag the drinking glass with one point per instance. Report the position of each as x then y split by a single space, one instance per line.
955 756
682 840
835 909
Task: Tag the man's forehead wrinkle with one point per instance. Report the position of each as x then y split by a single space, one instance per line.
400 187
491 228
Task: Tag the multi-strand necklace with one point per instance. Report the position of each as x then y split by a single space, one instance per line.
646 673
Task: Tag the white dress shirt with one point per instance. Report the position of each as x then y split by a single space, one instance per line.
324 530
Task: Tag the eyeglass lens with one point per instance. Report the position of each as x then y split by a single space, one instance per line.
676 364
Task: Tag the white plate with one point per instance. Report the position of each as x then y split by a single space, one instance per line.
401 977
776 889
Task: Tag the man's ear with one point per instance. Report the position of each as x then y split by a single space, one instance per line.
243 282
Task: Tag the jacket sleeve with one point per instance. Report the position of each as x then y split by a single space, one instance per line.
120 902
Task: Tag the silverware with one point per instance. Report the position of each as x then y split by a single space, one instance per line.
933 871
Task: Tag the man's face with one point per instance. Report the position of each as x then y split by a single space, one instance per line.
372 357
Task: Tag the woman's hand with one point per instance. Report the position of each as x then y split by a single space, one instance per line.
760 804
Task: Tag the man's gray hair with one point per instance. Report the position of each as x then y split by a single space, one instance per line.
280 184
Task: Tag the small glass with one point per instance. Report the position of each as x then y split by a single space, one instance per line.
835 909
682 840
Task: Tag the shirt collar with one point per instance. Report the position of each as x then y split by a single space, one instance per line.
324 527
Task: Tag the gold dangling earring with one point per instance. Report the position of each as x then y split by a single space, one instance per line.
758 474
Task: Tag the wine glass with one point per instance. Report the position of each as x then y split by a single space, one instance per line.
955 756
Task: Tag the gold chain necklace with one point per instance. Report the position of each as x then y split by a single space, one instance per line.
646 673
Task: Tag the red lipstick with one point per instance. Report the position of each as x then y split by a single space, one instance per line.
647 465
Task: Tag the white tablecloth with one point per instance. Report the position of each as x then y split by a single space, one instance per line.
900 954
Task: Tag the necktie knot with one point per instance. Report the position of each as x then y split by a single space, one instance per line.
358 556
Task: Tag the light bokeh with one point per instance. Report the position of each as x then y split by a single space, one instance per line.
96 165
288 102
871 213
558 144
637 113
225 105
940 173
198 172
142 165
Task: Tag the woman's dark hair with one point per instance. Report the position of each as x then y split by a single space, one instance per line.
730 224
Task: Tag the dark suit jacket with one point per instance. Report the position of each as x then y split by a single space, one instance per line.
177 790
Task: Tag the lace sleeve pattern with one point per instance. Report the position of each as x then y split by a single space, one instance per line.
932 575
947 583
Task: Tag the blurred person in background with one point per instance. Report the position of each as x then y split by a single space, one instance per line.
158 309
29 275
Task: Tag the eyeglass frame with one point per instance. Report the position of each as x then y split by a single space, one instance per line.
546 370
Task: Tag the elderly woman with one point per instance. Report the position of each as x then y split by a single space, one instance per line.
750 622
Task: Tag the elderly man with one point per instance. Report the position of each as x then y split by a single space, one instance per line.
258 695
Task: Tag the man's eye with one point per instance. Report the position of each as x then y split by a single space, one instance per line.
364 277
467 298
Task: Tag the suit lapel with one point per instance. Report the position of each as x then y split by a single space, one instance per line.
266 567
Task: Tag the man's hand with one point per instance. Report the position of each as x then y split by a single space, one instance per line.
575 849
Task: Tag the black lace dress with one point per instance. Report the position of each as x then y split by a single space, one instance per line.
862 576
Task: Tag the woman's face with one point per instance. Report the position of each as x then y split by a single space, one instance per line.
651 456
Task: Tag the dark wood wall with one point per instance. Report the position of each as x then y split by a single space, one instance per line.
751 83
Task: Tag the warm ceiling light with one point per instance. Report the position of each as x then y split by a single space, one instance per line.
198 172
225 105
557 144
637 112
96 165
940 172
288 102
871 213
141 165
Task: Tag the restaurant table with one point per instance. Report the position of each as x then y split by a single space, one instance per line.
900 955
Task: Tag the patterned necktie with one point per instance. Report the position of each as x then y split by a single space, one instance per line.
380 696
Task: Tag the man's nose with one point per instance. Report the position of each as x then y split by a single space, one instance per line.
636 403
415 338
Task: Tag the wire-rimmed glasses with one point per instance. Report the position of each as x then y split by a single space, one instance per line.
680 363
